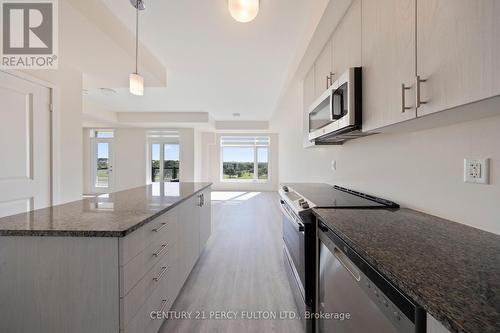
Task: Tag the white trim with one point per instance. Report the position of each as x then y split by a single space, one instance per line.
94 140
162 142
255 147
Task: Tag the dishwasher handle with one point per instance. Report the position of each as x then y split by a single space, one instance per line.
348 265
341 256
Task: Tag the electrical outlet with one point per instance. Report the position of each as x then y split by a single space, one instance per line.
476 170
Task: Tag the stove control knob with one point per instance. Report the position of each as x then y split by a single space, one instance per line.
301 200
305 205
285 189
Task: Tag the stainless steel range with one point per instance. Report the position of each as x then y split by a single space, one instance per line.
300 251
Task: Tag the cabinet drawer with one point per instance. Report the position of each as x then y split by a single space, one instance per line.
136 268
159 300
138 240
155 279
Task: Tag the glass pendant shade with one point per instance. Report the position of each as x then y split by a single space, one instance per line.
244 10
136 84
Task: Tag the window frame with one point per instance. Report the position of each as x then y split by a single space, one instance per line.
94 141
162 142
255 146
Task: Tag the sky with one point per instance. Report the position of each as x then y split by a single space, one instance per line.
171 152
231 154
236 154
102 150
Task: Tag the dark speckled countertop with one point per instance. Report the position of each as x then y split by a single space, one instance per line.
451 270
107 215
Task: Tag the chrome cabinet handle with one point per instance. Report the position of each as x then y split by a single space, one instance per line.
331 77
403 98
202 199
419 101
328 80
161 274
163 225
162 248
164 303
199 201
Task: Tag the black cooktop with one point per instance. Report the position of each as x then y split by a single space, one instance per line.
327 196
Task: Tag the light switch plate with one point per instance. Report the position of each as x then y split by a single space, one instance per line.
476 170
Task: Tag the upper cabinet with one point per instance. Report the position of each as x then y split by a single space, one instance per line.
388 62
454 59
346 41
323 70
458 52
418 57
308 95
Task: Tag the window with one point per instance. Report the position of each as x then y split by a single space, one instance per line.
102 160
165 156
245 158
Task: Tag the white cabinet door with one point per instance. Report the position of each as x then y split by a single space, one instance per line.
388 59
458 52
347 41
205 219
25 154
308 99
323 68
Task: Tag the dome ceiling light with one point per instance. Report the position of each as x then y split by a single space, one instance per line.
243 10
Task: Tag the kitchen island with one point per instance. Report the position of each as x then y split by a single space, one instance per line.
102 264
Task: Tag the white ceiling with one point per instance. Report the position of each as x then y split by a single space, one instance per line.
214 64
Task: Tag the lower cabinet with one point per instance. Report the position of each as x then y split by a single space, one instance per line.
102 284
180 237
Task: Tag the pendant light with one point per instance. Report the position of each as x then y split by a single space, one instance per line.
135 79
243 10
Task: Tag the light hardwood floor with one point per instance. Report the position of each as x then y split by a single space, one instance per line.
241 269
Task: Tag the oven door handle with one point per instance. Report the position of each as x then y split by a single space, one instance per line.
300 226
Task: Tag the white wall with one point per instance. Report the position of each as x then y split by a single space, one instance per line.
210 154
421 170
130 151
187 155
131 154
67 129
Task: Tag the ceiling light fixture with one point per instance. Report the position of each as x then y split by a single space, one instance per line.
135 79
243 10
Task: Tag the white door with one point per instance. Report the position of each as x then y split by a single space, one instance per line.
25 145
103 165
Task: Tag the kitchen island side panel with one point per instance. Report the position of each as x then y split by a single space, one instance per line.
59 284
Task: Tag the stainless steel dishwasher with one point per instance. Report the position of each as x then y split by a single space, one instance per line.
349 286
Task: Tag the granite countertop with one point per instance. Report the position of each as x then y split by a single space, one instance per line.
106 215
451 270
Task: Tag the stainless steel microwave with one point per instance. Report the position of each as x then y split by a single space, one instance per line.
336 115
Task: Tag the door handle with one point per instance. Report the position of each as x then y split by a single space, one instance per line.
418 99
342 258
331 77
403 98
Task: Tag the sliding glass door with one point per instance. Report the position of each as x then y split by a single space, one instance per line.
165 162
